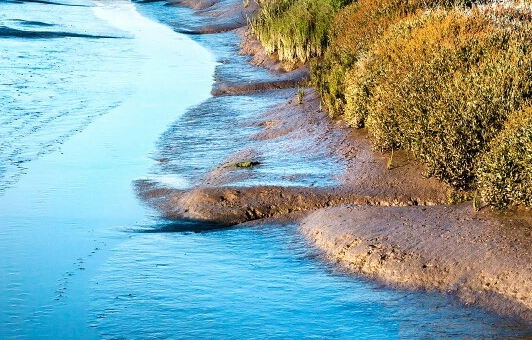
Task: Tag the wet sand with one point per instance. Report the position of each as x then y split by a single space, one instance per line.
372 213
483 258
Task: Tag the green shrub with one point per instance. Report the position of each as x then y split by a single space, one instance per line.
504 174
353 31
442 85
295 29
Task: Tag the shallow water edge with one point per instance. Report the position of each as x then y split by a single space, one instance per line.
82 258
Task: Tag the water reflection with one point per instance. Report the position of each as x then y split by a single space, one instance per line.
79 119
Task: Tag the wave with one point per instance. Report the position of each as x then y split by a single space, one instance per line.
32 23
8 32
47 3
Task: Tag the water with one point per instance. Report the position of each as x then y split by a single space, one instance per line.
261 283
67 183
84 97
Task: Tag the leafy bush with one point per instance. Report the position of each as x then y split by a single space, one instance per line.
295 29
504 174
442 85
353 31
437 77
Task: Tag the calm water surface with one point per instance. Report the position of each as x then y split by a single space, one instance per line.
86 89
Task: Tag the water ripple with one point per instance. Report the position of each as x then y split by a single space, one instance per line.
259 283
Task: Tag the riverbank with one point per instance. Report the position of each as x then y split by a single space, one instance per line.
417 242
483 258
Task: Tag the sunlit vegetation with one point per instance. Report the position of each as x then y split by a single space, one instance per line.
295 29
353 31
449 81
442 85
504 174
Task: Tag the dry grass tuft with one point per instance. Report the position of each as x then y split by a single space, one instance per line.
295 29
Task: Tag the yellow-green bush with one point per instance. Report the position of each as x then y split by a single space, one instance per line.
295 29
353 31
437 77
504 174
442 84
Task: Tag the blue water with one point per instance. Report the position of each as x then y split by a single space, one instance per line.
87 89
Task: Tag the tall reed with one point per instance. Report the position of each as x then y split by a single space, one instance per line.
295 29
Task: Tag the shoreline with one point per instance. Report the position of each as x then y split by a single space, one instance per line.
482 258
381 219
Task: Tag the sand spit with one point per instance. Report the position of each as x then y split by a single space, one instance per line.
483 258
381 218
294 79
234 205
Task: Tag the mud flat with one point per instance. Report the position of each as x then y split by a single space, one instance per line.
353 173
373 213
483 258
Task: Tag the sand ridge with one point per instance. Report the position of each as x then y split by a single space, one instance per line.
298 128
480 257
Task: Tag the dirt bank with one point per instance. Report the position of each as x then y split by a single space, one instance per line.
234 205
484 258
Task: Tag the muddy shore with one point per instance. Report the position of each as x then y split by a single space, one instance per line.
482 258
373 213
